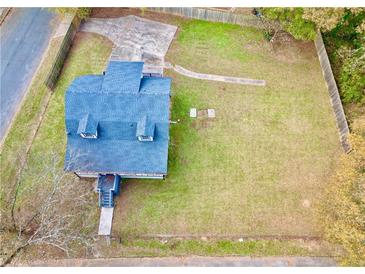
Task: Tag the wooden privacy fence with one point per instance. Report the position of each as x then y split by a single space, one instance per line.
68 28
341 121
213 15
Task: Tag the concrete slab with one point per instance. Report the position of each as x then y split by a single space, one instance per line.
135 39
211 113
106 220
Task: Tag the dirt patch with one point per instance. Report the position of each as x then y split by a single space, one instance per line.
306 48
201 124
354 112
41 252
293 51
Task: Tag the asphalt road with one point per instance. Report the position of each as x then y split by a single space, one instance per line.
24 36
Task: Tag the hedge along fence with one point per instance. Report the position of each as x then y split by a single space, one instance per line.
341 121
213 15
68 29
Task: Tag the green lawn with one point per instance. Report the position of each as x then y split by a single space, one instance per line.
258 168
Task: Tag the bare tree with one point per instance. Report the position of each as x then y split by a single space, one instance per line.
58 215
272 28
274 31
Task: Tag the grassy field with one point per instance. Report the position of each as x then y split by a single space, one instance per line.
258 168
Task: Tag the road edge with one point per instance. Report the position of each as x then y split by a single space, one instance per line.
4 14
192 261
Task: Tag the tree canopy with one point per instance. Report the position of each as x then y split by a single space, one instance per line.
303 23
292 21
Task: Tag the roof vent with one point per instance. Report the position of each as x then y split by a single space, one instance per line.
145 130
88 127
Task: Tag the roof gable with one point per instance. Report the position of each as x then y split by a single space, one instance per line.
145 129
87 125
122 77
155 85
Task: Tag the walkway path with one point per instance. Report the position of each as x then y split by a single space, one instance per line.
192 261
220 78
138 39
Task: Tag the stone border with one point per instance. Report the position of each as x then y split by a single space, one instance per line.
335 98
212 15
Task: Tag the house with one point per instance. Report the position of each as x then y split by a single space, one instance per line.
118 123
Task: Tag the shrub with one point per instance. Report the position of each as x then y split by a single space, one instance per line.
344 209
268 35
352 75
292 21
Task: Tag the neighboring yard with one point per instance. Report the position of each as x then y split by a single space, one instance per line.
257 169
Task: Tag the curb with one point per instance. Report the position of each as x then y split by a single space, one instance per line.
189 261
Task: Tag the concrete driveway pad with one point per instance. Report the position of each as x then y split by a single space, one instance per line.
135 39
